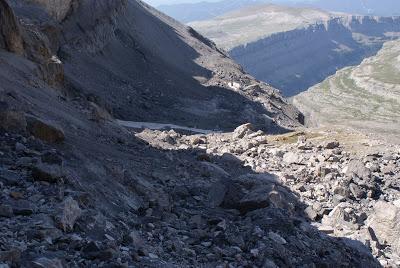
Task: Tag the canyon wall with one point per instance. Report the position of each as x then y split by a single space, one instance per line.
297 59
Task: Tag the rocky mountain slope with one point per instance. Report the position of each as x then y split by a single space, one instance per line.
79 188
295 48
365 97
143 62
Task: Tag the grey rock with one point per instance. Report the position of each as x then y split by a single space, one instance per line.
243 130
385 223
292 158
6 211
216 194
23 208
19 147
357 191
310 212
69 214
12 256
331 144
277 238
45 130
10 178
47 172
47 263
269 264
12 121
92 251
357 168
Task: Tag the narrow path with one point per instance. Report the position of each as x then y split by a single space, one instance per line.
159 126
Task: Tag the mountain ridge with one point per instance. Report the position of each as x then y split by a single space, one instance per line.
190 12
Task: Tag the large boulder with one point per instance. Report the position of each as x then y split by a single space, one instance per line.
45 130
251 192
243 130
385 223
358 169
292 158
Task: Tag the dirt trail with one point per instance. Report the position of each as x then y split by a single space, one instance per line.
159 126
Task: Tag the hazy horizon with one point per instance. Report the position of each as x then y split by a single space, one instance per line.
173 2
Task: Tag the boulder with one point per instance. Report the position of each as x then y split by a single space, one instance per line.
225 193
47 172
69 213
251 192
6 211
10 120
210 170
291 158
45 130
23 207
93 251
243 130
330 145
216 194
12 256
341 218
259 198
99 114
357 191
311 213
385 223
357 168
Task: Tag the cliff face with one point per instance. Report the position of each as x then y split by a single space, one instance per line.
364 97
10 35
296 60
295 48
56 8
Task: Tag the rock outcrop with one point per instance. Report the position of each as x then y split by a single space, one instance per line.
10 35
56 8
